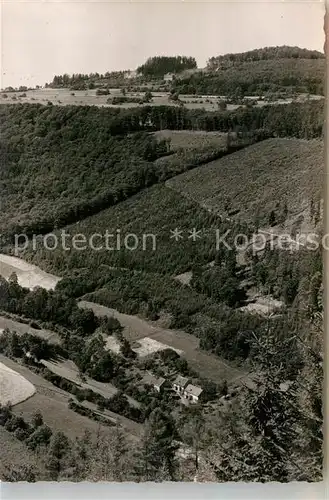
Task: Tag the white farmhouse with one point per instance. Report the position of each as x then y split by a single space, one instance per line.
192 393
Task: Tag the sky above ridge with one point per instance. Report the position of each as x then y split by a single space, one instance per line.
43 38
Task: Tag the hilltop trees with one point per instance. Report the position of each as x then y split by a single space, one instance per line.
266 53
257 77
158 66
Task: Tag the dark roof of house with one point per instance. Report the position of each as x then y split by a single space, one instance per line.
194 390
181 381
152 380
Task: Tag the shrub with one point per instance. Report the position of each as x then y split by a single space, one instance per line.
14 423
5 413
37 419
102 92
22 434
40 437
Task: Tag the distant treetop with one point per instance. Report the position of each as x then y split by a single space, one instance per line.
282 52
158 66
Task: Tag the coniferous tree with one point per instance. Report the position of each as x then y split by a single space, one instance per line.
156 458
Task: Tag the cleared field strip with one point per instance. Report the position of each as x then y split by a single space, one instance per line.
28 275
21 328
135 328
53 403
262 304
70 371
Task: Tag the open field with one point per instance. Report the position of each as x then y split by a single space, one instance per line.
28 275
21 328
209 366
254 179
67 369
53 404
14 387
65 97
112 344
134 328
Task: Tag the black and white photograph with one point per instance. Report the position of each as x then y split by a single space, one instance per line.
162 207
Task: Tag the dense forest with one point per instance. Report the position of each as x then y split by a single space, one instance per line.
64 143
158 66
